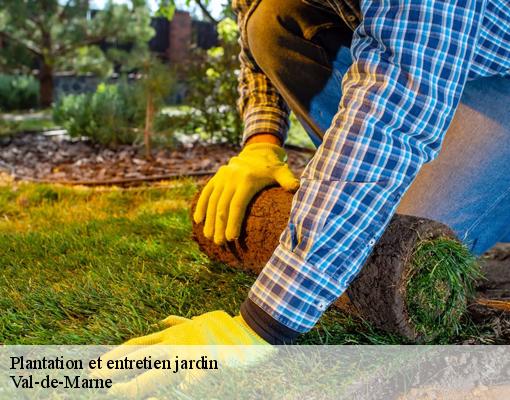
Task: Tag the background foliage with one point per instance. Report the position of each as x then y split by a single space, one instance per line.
111 115
68 36
18 92
212 90
115 113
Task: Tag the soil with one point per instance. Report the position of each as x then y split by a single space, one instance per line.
496 266
493 294
53 156
441 372
379 291
377 294
266 217
482 392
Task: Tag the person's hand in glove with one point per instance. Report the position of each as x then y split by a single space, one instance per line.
224 199
192 338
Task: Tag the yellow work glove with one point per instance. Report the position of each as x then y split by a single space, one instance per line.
190 339
212 328
224 199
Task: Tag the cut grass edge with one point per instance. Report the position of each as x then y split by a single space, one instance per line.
439 284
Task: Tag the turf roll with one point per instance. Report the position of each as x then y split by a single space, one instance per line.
417 282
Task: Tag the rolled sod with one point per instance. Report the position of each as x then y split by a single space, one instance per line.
416 283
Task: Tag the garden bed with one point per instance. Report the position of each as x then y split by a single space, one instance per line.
55 157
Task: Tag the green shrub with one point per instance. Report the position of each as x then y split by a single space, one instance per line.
113 114
18 92
7 127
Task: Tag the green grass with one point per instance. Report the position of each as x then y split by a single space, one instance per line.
99 266
297 134
26 123
441 282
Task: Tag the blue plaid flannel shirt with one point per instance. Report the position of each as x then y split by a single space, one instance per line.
411 60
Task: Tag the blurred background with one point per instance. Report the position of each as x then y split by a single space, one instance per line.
102 90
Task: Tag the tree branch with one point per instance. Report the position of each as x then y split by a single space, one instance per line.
206 12
63 10
33 50
89 41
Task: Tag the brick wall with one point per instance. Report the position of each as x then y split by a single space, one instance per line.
179 37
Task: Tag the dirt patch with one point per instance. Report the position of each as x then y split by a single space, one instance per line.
267 216
496 267
58 158
493 294
478 393
377 294
440 372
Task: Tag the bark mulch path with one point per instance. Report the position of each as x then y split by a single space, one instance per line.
54 157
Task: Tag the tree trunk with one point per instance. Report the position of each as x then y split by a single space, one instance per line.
149 118
46 84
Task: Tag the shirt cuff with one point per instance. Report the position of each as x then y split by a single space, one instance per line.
266 326
265 120
293 292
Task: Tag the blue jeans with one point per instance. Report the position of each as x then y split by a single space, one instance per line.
468 186
305 54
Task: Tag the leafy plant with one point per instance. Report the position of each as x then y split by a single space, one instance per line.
122 113
212 89
18 92
166 8
114 114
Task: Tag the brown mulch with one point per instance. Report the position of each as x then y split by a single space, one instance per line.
58 158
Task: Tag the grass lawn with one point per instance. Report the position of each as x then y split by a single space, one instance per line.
13 123
99 266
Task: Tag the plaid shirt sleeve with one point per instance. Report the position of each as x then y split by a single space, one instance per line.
411 59
261 107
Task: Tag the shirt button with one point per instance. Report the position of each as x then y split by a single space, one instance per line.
371 242
351 18
321 305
